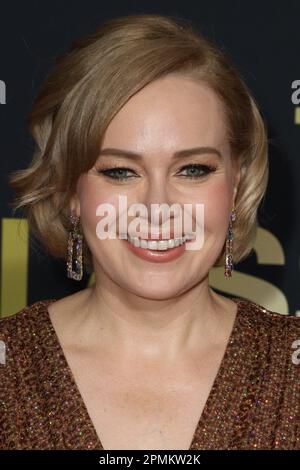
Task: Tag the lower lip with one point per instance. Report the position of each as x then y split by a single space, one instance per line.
156 256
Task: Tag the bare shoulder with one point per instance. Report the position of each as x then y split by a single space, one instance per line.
226 305
68 305
67 315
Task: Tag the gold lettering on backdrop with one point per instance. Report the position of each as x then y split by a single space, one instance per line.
14 265
295 98
91 280
268 251
14 271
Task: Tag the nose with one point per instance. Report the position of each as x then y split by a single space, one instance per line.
160 204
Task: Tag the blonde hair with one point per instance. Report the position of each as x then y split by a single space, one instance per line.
91 82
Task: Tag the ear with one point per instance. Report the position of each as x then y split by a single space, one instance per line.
237 178
75 204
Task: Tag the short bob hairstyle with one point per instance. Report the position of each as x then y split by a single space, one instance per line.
91 82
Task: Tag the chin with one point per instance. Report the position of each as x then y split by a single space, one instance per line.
156 291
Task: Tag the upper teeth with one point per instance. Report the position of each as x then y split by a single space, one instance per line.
159 244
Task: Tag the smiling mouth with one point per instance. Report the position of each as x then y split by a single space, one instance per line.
159 245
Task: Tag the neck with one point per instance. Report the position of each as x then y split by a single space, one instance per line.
128 325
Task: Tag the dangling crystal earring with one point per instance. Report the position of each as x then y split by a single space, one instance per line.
229 243
75 241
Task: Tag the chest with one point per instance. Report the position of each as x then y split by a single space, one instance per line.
140 408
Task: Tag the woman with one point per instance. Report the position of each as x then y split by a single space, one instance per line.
149 357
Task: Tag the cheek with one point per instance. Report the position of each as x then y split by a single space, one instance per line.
216 202
91 194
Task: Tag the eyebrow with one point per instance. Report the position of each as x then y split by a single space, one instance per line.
179 154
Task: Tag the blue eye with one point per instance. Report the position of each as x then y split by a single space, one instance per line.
197 170
117 173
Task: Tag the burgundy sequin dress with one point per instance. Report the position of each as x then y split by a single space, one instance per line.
254 402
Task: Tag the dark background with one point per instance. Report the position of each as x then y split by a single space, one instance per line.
263 40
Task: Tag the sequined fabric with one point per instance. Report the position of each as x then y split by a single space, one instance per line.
254 402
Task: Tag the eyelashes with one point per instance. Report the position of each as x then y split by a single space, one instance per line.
197 171
117 173
195 167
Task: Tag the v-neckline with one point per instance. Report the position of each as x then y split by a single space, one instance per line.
218 388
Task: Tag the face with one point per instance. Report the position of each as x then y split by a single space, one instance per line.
169 115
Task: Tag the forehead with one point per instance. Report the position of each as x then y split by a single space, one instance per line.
171 112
